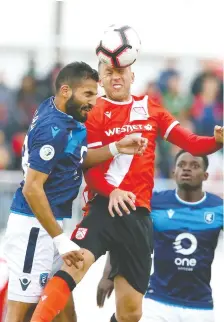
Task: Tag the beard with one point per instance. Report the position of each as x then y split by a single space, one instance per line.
73 108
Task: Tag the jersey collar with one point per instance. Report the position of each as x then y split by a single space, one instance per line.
52 102
190 203
116 102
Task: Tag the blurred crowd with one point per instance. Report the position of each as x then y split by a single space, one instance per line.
199 107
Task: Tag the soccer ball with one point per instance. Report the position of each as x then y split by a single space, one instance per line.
119 46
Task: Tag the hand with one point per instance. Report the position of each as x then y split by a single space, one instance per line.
132 144
121 198
218 134
74 258
71 253
105 288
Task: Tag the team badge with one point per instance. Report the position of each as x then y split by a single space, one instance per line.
47 152
43 279
209 217
81 233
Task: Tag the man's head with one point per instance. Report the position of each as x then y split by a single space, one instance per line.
173 83
76 86
116 82
190 171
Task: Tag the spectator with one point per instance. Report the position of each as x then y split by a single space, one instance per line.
6 108
4 153
175 101
17 145
27 101
153 92
207 110
169 70
209 68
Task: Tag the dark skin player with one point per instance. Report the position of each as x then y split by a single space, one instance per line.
189 174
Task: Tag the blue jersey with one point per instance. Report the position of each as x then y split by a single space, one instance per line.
185 238
56 145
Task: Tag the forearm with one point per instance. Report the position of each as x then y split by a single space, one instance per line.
96 156
96 181
107 267
192 143
37 200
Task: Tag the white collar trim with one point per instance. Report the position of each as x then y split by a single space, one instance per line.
190 203
118 103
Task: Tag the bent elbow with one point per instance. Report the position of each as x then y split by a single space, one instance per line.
30 190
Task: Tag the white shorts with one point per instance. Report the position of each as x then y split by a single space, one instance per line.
31 257
154 311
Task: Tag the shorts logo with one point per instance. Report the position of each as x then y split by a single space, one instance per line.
43 279
47 152
24 283
81 233
209 217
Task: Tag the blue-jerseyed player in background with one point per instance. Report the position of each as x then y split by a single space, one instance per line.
187 223
54 153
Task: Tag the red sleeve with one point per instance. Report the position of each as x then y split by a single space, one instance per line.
192 143
96 181
166 121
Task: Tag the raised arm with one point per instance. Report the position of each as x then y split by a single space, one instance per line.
194 144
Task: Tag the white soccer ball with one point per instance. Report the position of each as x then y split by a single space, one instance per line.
119 46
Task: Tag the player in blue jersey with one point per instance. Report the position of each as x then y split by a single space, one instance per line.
187 223
54 153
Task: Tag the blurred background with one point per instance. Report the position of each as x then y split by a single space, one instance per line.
180 64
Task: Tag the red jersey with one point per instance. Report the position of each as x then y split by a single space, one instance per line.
109 121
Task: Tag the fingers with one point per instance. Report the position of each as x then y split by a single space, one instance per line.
130 202
73 258
100 298
110 292
123 205
117 209
110 208
120 202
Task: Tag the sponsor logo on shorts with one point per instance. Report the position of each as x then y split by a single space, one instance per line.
47 152
209 217
81 233
25 282
43 279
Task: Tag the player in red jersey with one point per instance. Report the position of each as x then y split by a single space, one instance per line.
127 237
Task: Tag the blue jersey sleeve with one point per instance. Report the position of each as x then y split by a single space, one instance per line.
45 147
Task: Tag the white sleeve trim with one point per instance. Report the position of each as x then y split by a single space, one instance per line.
170 129
92 145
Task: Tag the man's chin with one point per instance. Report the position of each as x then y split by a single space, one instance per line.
186 186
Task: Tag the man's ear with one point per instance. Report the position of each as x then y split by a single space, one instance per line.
66 91
206 176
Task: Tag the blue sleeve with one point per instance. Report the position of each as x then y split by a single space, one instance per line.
46 147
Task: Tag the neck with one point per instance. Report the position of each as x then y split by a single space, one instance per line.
190 195
59 104
124 99
208 98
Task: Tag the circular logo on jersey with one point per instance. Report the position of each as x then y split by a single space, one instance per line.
47 152
191 242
